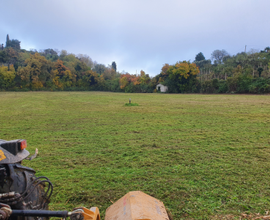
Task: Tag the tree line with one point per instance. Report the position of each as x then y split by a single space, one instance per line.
22 70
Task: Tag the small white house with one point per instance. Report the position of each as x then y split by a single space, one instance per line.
161 88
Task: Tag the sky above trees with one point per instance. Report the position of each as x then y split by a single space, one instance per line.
138 34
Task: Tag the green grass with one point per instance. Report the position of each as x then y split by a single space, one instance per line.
202 155
131 104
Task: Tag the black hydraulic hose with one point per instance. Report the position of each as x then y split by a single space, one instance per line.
21 197
39 182
40 213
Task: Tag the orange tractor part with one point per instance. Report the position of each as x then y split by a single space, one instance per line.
137 205
90 214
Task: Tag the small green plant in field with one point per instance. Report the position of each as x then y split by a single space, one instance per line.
131 104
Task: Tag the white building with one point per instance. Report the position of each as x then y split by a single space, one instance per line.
161 88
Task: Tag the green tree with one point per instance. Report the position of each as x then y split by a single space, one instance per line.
182 77
16 44
50 54
7 77
7 41
260 69
114 66
199 57
36 72
91 78
3 56
99 68
11 56
200 60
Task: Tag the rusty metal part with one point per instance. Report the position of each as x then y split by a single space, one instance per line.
137 205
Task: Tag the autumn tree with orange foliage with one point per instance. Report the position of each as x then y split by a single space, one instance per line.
127 79
60 67
165 68
61 76
136 83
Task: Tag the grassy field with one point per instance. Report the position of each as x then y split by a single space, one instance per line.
204 156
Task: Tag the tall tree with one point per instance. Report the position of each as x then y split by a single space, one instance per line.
114 66
7 41
199 57
13 43
200 60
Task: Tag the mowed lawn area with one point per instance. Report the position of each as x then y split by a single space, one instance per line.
204 156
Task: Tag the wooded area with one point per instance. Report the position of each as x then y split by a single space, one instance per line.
22 70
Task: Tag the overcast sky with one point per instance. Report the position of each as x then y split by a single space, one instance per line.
137 34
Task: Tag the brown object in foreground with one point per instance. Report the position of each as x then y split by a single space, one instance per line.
137 205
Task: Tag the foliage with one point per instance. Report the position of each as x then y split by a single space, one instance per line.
199 57
3 56
131 104
203 63
99 68
11 55
87 60
114 66
15 44
36 72
91 77
7 40
219 55
50 54
127 79
52 70
7 77
179 77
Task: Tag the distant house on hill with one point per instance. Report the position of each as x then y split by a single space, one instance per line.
161 88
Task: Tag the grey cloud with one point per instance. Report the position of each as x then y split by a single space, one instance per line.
138 34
